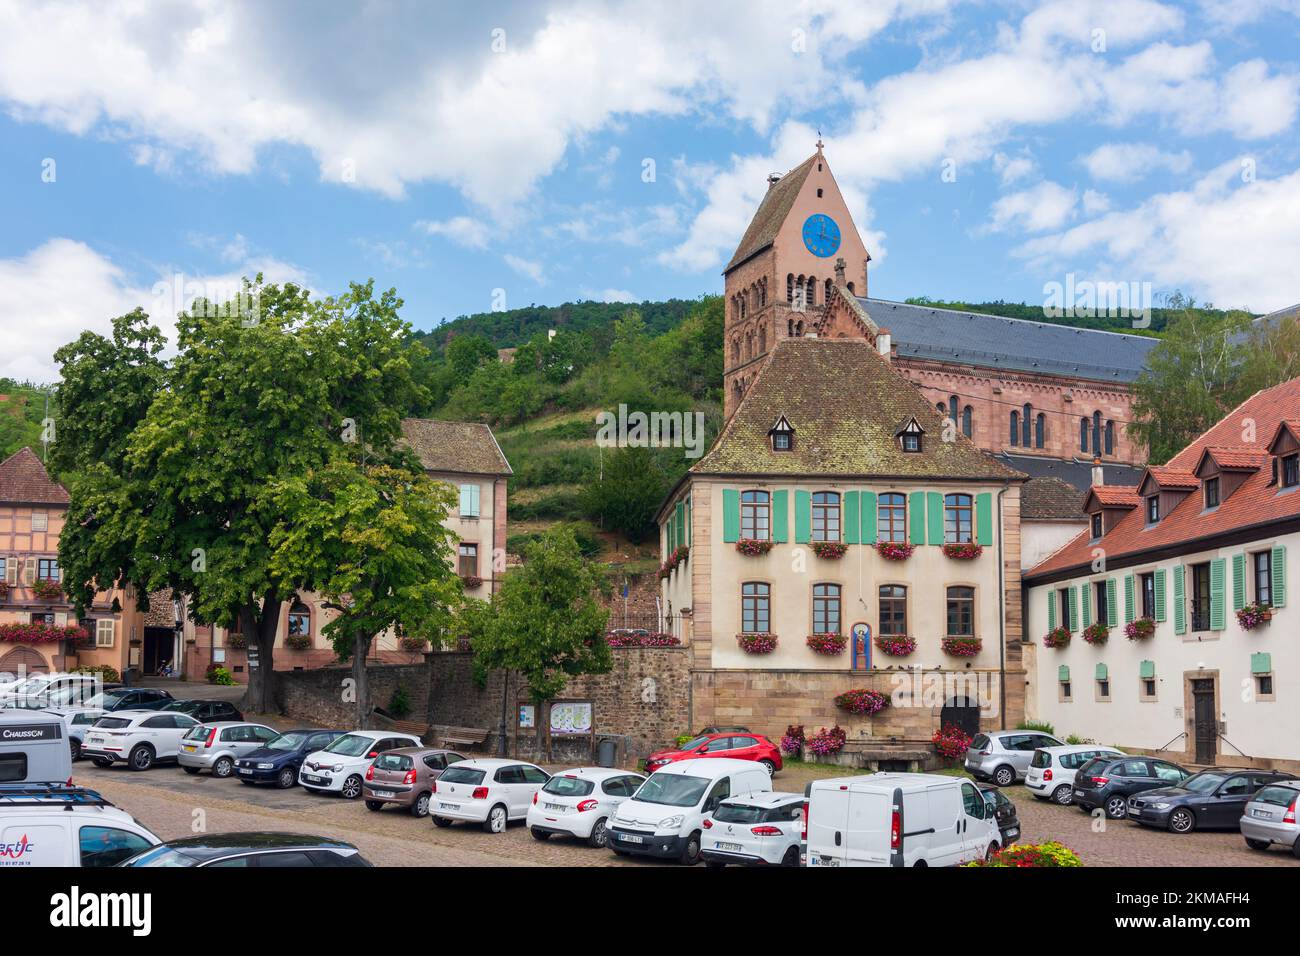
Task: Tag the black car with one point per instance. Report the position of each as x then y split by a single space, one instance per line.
279 760
131 698
1004 811
1210 800
259 850
205 710
1108 782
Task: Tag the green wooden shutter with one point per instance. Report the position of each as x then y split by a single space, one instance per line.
1218 617
934 512
916 516
668 532
1147 670
730 514
1112 603
868 517
1051 610
1279 575
1180 602
1238 581
1261 663
1102 672
1085 604
1072 599
1129 588
1160 594
1063 673
781 516
679 526
690 511
852 521
802 517
984 519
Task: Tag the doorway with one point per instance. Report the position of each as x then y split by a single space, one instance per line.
963 712
1205 724
159 646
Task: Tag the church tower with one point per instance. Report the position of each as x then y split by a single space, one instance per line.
785 270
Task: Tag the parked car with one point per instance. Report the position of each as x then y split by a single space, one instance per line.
1210 800
33 748
1003 756
405 777
76 721
580 803
1052 769
131 698
341 767
280 759
43 824
204 710
1004 811
761 829
141 738
898 819
1270 817
665 817
216 746
25 686
488 791
728 746
53 690
260 850
1108 782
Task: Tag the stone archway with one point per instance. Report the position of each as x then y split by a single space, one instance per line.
24 660
962 711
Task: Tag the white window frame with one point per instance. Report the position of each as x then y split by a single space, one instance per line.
44 524
101 630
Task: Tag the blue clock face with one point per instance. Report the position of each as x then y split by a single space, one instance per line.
821 235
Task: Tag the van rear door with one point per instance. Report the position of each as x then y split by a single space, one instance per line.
870 815
828 818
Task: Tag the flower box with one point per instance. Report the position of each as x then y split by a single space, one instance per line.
757 643
471 581
1096 633
962 646
641 639
894 550
47 590
236 641
963 552
679 555
42 633
1027 855
895 646
297 642
828 644
1140 629
1057 637
826 743
753 547
862 701
831 550
1253 615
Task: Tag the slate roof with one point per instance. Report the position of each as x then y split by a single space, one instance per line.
1051 499
464 447
772 212
992 341
24 480
1254 502
846 404
1075 471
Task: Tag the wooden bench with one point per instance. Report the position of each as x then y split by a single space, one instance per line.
463 736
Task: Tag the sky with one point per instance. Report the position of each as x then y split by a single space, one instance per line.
496 155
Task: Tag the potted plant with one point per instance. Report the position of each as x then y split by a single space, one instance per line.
1140 629
862 701
47 590
1057 637
471 581
757 643
825 742
894 550
831 550
1096 633
753 547
963 552
1253 615
297 642
950 742
895 646
828 644
962 646
792 743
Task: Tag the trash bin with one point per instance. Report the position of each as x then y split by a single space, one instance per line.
607 752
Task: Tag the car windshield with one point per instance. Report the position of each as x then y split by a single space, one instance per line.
161 856
1276 796
1203 782
394 762
185 706
351 745
287 742
979 742
197 732
672 789
1041 759
461 775
692 744
113 723
567 786
738 813
33 685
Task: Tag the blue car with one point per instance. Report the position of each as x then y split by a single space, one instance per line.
279 760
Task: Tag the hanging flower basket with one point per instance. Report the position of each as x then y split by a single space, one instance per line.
963 552
42 633
894 550
1140 629
679 555
47 590
828 644
862 701
1057 637
236 641
962 646
895 646
297 642
1253 615
825 742
831 550
471 581
1096 633
753 547
757 643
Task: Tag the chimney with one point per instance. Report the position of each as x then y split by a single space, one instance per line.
1098 474
839 271
883 346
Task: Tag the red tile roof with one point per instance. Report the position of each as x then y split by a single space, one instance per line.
1168 477
1116 496
24 480
1253 502
1246 457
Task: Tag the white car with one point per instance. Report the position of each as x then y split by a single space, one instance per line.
341 767
52 690
1052 769
76 720
755 830
44 824
139 737
490 792
581 803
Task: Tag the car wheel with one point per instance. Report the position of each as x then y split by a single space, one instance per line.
441 822
990 852
496 819
223 767
420 808
1182 821
75 746
599 834
374 804
539 834
101 761
791 857
1063 795
285 779
1004 776
1117 808
141 758
351 787
190 770
691 851
769 766
1256 844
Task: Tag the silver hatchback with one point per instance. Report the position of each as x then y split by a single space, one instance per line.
1003 756
217 745
1270 817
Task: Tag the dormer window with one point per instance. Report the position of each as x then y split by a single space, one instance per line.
910 436
1211 492
1096 525
911 442
1153 509
1291 471
782 435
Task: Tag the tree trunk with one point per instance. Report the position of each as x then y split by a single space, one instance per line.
259 631
360 648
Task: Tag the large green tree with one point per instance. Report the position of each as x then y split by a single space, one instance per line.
624 496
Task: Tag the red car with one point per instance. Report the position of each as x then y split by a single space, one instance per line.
735 746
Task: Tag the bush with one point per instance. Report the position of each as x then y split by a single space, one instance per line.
1042 726
792 743
109 674
399 705
1032 855
826 742
216 674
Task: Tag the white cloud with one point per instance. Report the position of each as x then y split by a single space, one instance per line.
1013 168
1094 202
528 268
1046 205
462 230
609 295
1126 162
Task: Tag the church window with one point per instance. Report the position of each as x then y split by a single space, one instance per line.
1083 434
789 288
762 340
1026 425
1015 429
952 408
1040 430
1110 438
1096 433
827 299
967 414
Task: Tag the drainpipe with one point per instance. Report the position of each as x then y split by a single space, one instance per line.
1002 617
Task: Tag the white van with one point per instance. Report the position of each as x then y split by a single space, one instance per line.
897 819
33 748
55 825
665 816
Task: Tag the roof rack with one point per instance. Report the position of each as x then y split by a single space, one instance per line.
50 794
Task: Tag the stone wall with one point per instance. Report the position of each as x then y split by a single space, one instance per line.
316 696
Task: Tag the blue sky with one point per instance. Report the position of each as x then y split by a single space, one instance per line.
985 149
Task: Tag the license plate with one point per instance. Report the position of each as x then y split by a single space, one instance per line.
94 740
311 778
733 847
1260 813
1078 792
384 793
629 838
189 749
245 770
827 861
556 807
1013 832
449 806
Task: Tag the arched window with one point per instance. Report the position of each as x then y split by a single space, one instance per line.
798 329
826 608
810 292
891 518
1026 424
1083 434
967 425
755 607
762 339
893 610
1040 430
826 516
1015 429
735 350
1110 438
755 515
957 519
952 408
827 298
299 619
943 409
1096 433
789 287
851 290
